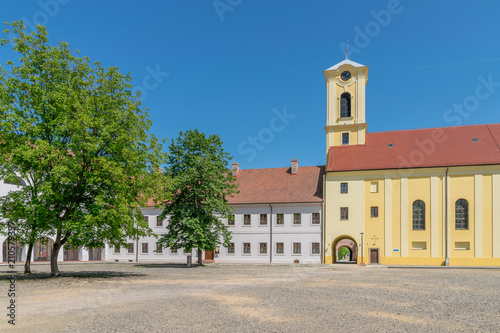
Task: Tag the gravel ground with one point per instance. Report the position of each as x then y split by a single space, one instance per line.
116 297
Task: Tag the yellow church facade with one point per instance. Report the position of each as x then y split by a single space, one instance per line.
417 197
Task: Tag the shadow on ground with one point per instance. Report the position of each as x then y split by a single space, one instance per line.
4 276
166 265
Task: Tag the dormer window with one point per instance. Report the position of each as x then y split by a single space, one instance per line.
391 145
345 105
475 140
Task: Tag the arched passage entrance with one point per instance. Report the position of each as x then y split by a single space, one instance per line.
345 242
43 249
18 255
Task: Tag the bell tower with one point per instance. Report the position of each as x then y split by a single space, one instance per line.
345 106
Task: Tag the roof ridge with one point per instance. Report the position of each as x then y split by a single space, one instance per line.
288 167
431 128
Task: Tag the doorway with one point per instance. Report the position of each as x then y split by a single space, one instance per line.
345 250
374 256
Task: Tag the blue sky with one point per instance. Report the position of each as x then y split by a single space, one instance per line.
229 67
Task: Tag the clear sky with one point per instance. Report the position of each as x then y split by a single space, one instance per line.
229 67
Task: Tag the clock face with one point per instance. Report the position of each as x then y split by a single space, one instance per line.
345 76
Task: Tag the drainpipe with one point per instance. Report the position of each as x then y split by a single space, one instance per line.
323 224
271 236
446 260
322 260
137 243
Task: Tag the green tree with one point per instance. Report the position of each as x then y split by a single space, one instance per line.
200 185
343 251
78 135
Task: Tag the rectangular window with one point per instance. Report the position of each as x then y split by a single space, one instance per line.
344 188
230 220
315 218
296 248
159 221
263 219
315 248
463 246
374 211
145 248
117 250
146 219
374 187
173 251
246 219
280 219
159 249
280 248
296 218
230 248
263 248
246 248
344 213
130 247
418 245
345 138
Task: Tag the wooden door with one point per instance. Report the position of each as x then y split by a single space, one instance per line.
374 256
209 255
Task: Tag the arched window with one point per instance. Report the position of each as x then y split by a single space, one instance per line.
461 214
418 215
345 105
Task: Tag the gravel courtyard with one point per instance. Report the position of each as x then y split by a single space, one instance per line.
115 297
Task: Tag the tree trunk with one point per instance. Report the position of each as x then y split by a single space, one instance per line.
27 264
200 259
54 271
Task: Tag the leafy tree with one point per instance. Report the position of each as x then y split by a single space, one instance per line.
78 135
343 251
200 185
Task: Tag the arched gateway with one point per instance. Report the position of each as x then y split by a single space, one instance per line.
348 242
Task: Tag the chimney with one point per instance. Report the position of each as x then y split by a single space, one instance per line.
295 166
236 169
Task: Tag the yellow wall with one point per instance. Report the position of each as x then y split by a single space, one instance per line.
475 184
487 216
462 187
334 227
374 226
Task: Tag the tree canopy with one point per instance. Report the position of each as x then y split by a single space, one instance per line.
200 183
76 133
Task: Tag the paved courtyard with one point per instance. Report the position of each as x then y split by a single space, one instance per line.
115 297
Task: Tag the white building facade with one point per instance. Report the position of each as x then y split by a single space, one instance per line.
277 219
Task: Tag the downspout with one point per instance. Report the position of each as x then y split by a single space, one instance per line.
323 224
446 259
271 236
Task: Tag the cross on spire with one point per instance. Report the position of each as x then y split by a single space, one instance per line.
347 49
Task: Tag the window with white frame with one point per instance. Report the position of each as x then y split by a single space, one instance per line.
246 248
263 248
297 248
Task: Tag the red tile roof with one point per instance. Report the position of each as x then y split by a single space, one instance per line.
430 147
278 185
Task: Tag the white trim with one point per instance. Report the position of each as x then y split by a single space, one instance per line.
404 217
388 217
434 225
478 216
496 215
